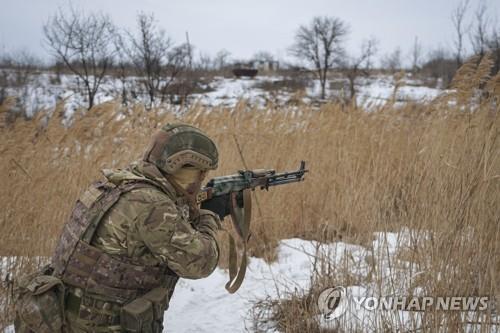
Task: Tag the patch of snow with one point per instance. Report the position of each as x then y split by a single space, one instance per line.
44 91
9 329
378 90
205 306
229 91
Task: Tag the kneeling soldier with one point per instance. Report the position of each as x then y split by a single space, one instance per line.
132 236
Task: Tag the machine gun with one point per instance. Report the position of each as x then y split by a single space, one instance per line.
249 179
239 187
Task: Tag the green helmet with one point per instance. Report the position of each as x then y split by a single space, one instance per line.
177 145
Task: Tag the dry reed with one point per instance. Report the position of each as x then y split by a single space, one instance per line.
432 167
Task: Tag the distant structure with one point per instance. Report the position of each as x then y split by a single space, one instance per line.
246 69
251 68
245 72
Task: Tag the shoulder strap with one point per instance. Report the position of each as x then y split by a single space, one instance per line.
103 204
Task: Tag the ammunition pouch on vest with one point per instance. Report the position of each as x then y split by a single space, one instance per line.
39 304
145 314
113 279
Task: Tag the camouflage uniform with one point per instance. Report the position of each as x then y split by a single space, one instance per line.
148 225
147 238
149 228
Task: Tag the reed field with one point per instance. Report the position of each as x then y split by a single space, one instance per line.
433 168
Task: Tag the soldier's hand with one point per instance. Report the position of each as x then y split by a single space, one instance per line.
219 205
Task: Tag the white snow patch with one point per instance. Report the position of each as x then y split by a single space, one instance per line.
44 91
205 306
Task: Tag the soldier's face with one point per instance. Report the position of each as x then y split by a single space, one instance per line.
190 178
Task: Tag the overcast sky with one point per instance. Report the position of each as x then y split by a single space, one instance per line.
245 27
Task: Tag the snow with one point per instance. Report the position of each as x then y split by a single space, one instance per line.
375 91
229 91
205 306
43 91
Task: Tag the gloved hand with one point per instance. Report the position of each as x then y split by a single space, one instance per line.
219 205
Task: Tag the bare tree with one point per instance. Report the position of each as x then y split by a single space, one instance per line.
84 43
21 65
360 65
478 35
392 61
263 56
4 79
321 44
155 58
416 55
123 67
179 68
205 62
221 59
458 18
440 65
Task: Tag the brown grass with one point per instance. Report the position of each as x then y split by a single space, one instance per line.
428 167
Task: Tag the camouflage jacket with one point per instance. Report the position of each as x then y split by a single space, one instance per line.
148 227
118 243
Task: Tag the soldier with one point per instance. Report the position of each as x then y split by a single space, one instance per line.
131 237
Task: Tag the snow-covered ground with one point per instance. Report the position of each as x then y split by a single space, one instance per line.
205 306
43 91
378 90
228 91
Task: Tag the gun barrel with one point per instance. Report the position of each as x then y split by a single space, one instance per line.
285 178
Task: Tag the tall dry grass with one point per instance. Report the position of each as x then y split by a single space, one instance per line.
432 167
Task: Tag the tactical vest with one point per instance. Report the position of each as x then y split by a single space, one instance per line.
81 265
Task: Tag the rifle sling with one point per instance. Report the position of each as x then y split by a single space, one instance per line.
241 222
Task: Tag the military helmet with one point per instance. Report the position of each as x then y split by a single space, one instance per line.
177 145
